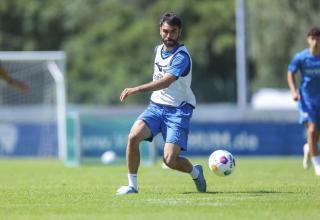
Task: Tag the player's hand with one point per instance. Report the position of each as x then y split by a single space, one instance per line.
18 85
295 96
125 93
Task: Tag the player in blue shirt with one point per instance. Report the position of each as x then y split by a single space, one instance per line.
170 109
307 62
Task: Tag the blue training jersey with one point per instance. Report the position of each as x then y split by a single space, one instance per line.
309 67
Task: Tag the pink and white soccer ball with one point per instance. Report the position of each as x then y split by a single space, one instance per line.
221 162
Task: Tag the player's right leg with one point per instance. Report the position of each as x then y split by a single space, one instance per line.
309 115
312 134
139 132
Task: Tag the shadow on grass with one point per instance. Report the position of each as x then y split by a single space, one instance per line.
254 192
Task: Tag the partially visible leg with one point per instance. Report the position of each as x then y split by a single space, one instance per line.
306 156
312 137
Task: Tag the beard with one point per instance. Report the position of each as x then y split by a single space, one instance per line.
170 42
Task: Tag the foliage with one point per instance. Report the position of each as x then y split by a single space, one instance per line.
277 30
109 44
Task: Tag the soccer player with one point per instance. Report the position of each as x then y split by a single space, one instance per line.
171 106
307 62
11 81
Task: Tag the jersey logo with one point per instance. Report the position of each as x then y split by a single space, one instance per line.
160 67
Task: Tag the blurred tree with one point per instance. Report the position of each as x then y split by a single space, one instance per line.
109 44
277 30
31 25
123 49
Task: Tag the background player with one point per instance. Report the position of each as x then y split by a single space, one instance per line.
307 62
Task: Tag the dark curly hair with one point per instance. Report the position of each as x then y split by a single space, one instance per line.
314 31
171 19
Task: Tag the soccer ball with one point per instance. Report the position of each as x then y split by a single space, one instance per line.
108 157
221 162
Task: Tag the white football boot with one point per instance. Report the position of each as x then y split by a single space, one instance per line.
123 190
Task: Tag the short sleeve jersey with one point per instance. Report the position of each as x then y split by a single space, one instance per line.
309 67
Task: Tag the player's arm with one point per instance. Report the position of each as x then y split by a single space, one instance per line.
162 83
292 86
11 81
180 66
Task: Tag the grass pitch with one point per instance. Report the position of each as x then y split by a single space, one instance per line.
260 188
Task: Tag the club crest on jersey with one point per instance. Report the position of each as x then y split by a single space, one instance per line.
157 76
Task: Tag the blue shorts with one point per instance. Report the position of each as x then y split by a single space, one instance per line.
172 122
309 113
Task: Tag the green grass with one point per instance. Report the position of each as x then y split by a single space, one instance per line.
260 188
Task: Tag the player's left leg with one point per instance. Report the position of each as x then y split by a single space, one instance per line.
175 129
306 152
172 159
